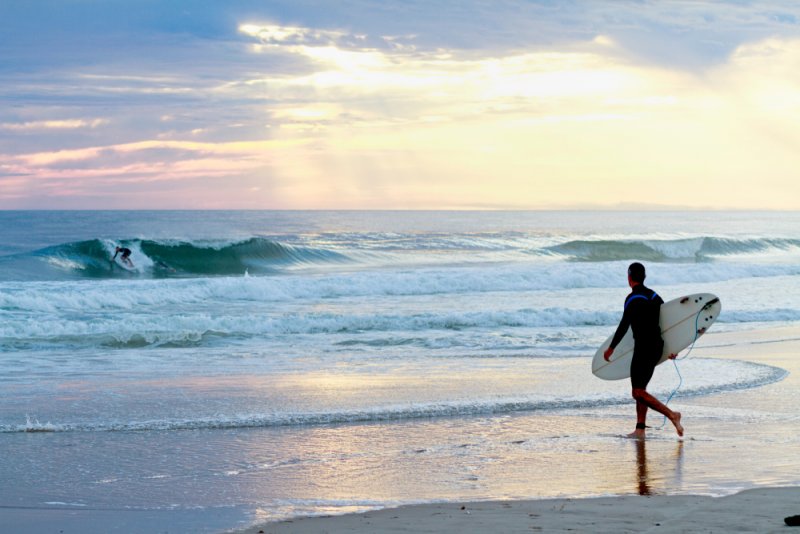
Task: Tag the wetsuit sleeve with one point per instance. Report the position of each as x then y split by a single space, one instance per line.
624 324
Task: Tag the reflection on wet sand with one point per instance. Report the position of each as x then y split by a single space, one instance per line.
644 481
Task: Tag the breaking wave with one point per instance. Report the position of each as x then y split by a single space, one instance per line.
699 249
265 256
151 258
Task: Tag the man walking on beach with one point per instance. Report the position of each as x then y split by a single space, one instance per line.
642 311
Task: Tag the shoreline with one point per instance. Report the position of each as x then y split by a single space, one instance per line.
758 510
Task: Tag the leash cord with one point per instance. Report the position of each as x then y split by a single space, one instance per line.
677 370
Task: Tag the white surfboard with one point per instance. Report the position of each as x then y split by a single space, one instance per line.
118 262
682 320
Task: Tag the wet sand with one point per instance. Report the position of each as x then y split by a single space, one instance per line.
735 469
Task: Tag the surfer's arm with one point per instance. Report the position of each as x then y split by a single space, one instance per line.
115 255
624 324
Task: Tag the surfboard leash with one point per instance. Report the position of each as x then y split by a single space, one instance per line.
697 333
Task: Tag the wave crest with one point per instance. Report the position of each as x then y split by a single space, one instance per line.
698 249
92 258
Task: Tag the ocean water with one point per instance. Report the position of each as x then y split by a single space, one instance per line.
150 388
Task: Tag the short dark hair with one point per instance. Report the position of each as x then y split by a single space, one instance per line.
636 272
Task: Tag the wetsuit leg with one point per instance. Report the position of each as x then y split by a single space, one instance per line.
644 363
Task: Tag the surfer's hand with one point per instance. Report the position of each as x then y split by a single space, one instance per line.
607 354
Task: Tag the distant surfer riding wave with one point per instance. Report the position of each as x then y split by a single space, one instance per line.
125 257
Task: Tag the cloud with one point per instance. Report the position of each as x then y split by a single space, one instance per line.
232 148
275 34
135 168
401 84
63 124
374 104
588 123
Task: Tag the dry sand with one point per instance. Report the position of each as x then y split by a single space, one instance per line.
756 510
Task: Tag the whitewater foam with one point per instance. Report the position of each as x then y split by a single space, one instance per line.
133 293
188 329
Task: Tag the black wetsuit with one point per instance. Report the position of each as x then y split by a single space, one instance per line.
642 310
125 253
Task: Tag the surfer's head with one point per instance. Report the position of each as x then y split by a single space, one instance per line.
636 272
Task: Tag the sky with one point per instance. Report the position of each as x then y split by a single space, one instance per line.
418 104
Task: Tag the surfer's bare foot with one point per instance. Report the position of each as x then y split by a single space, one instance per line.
676 420
636 434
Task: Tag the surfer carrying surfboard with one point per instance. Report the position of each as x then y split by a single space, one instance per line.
126 256
641 314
